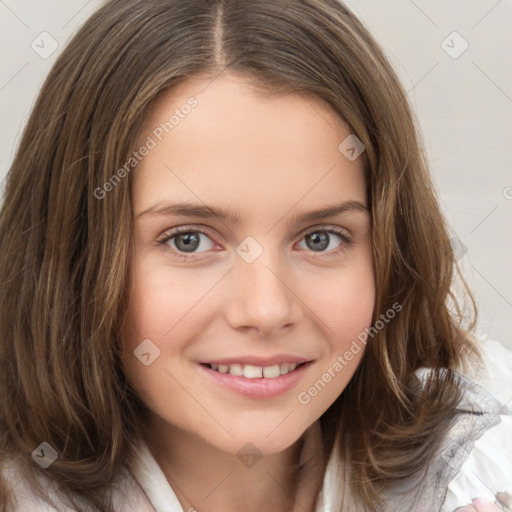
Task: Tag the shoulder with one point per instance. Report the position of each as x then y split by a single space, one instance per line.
125 493
482 456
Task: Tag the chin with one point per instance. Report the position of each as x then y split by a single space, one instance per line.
260 438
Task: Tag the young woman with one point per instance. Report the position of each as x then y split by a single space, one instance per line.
226 283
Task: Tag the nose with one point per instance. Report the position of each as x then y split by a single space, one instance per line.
261 296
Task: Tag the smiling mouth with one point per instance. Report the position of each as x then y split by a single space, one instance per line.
250 371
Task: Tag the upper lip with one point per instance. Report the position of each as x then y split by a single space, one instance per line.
258 361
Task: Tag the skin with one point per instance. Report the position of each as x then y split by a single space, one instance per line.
482 505
269 159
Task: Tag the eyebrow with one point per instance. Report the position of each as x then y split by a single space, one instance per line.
209 212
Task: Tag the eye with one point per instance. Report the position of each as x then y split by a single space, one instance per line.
187 240
324 240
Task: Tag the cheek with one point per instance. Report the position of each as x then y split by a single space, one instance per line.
353 316
352 306
164 303
344 309
344 302
158 323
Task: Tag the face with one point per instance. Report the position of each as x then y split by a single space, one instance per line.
244 304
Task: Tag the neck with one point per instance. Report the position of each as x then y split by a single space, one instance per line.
207 479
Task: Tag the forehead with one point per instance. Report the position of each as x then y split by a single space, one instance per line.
238 146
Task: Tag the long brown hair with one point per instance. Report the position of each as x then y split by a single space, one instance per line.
65 252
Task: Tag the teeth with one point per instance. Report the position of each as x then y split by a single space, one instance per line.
236 369
250 371
253 372
271 372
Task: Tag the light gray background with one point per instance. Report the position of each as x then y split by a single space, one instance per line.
463 104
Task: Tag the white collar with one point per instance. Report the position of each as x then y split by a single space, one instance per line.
150 477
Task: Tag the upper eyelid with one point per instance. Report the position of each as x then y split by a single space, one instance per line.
178 230
169 234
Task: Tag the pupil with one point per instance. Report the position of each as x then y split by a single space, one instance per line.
320 239
190 242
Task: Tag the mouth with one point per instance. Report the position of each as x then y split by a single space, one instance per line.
250 371
271 379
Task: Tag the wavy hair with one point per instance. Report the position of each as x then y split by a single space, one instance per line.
66 254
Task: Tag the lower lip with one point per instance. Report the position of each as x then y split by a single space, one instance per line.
258 388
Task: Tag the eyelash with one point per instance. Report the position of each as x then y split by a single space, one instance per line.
346 241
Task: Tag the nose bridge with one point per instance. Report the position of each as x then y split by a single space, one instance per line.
260 296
